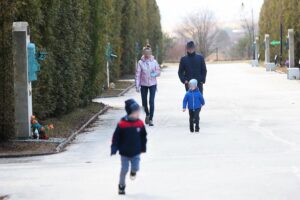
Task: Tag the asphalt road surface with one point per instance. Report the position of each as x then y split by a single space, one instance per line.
248 147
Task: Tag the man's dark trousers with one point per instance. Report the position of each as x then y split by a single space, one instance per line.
194 119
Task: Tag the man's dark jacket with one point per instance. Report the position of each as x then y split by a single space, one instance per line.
192 66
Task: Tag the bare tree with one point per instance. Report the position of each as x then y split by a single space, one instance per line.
248 26
201 27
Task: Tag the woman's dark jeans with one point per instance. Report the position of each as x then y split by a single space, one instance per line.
144 93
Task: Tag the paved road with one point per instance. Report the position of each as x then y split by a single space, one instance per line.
248 148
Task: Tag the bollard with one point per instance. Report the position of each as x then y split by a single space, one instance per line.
22 84
293 72
267 48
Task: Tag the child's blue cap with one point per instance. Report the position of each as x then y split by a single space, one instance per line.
193 83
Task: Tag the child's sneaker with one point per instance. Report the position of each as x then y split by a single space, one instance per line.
121 189
192 129
132 175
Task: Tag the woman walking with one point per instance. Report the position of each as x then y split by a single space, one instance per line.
147 72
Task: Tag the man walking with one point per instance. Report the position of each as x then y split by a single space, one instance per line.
192 66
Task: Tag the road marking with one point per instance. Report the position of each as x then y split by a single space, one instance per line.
269 134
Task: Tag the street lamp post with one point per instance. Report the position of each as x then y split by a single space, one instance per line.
281 33
253 31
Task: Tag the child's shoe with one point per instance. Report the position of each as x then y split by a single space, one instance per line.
192 128
122 189
132 175
197 129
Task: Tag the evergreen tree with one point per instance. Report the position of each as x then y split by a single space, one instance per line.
7 12
74 33
154 28
128 37
274 12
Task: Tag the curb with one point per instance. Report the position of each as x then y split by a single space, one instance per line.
120 94
62 145
65 143
28 155
127 89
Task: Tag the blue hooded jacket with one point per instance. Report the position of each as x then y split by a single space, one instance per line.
194 99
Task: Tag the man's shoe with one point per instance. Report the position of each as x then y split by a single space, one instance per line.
122 189
132 175
197 129
147 120
151 123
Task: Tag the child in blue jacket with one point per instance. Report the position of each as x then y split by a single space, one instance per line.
194 100
130 139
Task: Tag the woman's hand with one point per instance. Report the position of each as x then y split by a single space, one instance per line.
138 89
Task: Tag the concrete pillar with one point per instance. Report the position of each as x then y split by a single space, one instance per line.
269 66
267 48
291 48
22 85
256 48
293 72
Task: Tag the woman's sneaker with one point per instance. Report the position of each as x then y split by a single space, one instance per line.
147 120
151 123
132 175
122 189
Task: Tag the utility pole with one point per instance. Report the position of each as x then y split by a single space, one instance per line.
253 32
217 53
281 39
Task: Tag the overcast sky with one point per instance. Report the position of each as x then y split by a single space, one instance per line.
172 11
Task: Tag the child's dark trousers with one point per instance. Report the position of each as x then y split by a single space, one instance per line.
194 119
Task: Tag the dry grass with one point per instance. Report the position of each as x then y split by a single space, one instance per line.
120 86
63 127
4 197
67 124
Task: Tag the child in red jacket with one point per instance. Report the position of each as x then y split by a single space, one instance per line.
130 138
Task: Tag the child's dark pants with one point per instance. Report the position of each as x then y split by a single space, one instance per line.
194 119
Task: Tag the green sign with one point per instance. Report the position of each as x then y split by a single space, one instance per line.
275 43
108 52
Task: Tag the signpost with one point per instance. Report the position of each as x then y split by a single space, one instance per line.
109 56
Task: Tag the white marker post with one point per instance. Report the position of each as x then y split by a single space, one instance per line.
293 72
269 66
22 85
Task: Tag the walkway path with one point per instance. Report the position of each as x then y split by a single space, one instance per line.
248 148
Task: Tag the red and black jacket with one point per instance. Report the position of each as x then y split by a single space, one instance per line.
130 138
